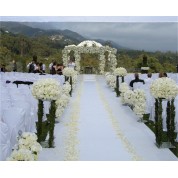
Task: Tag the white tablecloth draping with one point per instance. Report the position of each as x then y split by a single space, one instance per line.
14 118
5 146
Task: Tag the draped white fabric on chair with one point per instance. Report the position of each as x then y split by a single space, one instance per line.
5 146
15 120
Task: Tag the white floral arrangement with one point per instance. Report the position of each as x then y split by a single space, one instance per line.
46 89
61 103
66 88
139 102
27 148
120 71
107 73
111 81
164 88
63 99
74 79
127 97
123 87
68 71
21 155
89 43
59 112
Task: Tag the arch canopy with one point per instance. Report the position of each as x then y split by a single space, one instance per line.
90 47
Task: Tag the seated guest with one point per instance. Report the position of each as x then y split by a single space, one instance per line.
31 66
136 80
37 68
3 68
42 67
50 67
59 69
54 68
165 74
161 74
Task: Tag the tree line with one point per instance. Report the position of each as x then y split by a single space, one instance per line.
21 48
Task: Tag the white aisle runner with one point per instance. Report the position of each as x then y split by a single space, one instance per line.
97 139
95 126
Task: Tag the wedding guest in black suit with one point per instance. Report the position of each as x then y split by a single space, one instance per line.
136 80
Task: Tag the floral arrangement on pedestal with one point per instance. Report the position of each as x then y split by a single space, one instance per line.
111 80
119 72
164 88
27 148
49 90
90 47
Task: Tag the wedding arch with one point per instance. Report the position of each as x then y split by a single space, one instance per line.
90 47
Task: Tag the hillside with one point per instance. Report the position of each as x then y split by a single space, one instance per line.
21 42
33 29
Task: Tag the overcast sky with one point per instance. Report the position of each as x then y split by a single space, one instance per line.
147 33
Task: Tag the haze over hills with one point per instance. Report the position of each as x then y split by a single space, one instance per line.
35 29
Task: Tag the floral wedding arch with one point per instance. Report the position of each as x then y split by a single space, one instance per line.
90 47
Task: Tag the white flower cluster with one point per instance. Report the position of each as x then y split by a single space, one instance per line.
46 89
21 155
63 99
102 63
27 148
74 79
111 80
135 98
68 71
139 102
164 88
126 97
90 47
120 71
88 43
123 89
113 61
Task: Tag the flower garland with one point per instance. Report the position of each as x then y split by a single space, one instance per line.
71 151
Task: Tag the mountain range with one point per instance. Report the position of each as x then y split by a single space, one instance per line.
35 29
